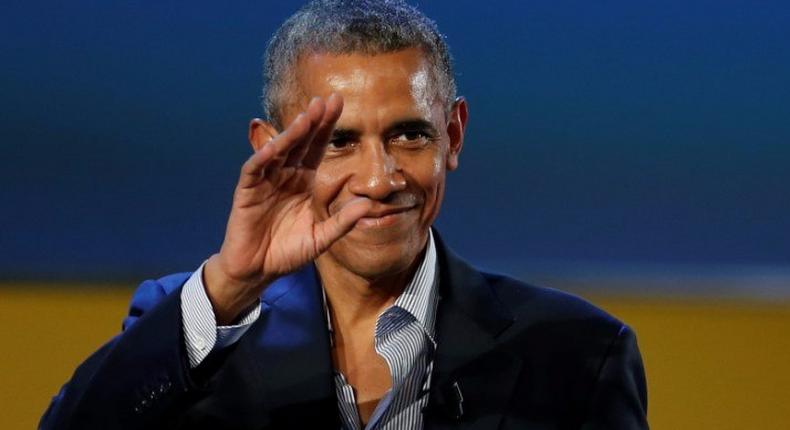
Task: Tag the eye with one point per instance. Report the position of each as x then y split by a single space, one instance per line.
339 144
411 138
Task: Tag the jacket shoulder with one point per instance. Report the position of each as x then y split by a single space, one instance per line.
581 362
548 323
150 293
541 304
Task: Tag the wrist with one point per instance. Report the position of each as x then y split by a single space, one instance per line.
229 297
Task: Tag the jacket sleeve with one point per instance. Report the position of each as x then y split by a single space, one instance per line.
619 399
137 378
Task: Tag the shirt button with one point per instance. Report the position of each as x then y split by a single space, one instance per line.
200 343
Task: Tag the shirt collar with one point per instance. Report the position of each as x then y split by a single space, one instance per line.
420 296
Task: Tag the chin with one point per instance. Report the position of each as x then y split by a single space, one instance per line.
374 261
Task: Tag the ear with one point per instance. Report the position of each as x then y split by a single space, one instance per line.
260 133
456 126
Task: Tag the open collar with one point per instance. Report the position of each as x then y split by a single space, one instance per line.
419 298
283 365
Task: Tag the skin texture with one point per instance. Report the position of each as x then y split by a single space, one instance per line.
354 183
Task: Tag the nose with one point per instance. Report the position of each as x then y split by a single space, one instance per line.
377 172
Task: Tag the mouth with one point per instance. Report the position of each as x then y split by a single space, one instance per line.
384 218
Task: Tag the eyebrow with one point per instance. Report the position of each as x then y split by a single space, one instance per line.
411 124
400 126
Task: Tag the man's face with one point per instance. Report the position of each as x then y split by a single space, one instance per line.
393 144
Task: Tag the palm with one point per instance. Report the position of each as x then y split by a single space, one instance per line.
272 229
276 234
293 241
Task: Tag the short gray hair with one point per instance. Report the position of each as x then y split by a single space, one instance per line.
352 26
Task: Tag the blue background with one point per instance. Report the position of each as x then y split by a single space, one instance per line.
602 133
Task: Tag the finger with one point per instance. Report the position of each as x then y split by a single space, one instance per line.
287 140
315 112
317 147
329 231
252 169
269 157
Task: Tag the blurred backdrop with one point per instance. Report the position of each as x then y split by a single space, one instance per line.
635 153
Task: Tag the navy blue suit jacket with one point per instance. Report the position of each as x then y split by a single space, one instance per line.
509 356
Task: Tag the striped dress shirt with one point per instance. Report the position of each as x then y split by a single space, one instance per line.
404 337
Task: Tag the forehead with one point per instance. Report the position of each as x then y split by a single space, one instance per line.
394 83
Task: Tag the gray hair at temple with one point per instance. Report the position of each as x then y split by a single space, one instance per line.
351 26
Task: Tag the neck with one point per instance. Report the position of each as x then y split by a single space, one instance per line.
353 299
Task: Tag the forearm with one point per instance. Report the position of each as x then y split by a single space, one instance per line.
132 381
155 364
204 332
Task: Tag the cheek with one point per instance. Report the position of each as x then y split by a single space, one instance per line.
439 164
438 168
326 188
431 180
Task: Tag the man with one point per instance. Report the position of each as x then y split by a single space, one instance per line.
331 303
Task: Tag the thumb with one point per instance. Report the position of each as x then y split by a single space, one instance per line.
329 231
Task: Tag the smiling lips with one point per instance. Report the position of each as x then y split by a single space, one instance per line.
384 217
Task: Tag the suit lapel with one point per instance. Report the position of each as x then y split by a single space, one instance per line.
472 379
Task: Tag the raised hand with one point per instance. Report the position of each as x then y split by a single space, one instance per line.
272 229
